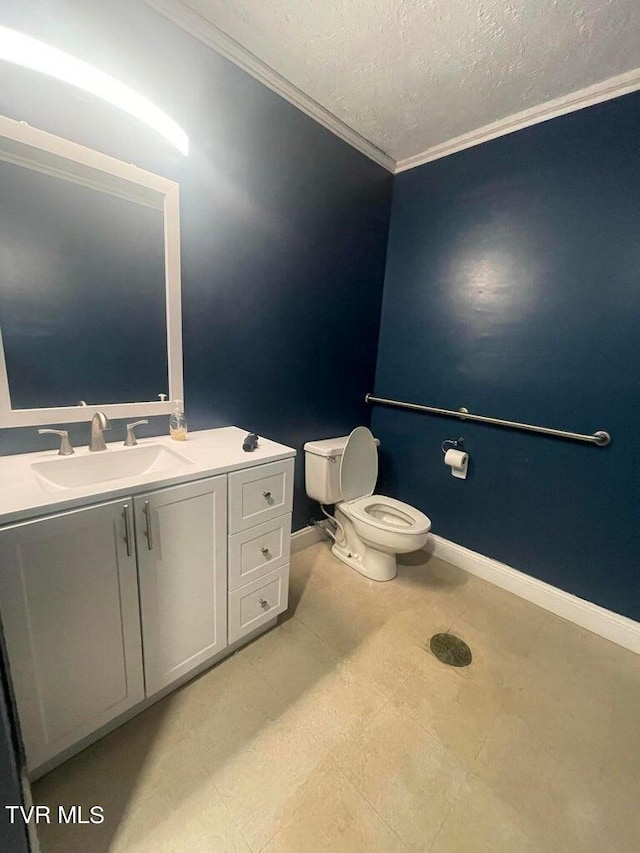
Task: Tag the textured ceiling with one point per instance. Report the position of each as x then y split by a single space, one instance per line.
411 75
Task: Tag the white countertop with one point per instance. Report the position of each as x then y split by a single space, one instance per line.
209 452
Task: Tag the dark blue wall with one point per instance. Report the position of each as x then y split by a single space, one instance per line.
513 288
284 226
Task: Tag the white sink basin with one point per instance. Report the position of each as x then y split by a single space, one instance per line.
74 472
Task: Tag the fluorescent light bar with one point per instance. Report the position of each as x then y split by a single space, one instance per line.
31 53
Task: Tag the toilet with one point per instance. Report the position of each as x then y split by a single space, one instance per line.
370 529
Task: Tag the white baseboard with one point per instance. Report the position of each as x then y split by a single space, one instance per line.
612 626
302 539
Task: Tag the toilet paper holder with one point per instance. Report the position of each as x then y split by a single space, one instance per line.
455 443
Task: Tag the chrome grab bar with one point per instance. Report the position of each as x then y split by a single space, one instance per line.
599 438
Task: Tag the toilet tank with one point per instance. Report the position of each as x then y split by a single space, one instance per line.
322 469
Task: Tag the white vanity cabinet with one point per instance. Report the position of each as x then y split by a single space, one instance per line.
181 537
69 606
107 607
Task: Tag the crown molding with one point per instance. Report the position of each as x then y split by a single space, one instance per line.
181 14
614 87
188 19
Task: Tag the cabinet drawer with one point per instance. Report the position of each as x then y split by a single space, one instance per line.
260 494
257 602
259 550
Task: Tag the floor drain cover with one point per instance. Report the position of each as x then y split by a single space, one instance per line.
450 649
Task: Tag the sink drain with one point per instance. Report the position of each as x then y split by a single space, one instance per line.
450 650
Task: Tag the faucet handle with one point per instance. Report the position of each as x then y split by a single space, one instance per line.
130 440
65 445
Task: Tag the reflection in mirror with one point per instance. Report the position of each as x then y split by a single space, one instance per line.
82 296
89 283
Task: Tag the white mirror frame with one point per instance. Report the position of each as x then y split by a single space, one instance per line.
86 157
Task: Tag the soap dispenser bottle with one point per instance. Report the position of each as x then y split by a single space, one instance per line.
178 422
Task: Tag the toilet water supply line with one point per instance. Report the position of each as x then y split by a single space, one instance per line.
332 534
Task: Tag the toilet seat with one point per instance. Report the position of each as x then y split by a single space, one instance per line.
387 514
358 465
358 475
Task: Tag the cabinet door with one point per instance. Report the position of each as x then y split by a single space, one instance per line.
182 545
69 607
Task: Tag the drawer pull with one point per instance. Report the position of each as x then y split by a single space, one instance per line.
264 604
265 551
266 495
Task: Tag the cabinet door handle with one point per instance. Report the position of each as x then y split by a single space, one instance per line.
127 531
147 532
266 495
264 604
265 551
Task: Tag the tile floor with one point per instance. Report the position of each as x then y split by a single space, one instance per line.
339 731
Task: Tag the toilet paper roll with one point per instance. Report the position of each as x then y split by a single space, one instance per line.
457 461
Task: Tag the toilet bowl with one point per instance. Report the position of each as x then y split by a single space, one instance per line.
370 529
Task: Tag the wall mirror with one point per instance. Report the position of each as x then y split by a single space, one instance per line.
90 312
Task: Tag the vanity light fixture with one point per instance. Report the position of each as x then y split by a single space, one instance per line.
29 52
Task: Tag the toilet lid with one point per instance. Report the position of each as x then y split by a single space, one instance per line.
359 465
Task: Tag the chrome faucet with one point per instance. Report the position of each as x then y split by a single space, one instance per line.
99 422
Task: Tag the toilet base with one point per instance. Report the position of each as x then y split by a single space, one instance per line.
372 564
